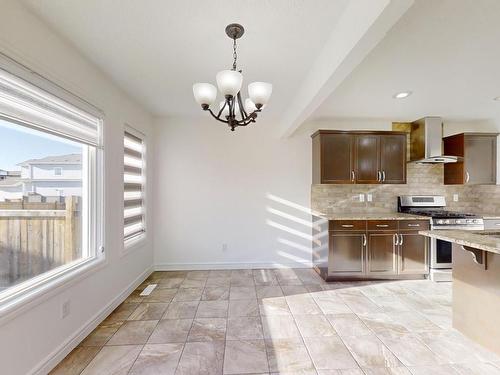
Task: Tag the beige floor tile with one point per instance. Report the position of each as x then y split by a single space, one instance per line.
410 350
360 304
369 351
116 360
351 371
245 357
292 289
383 323
198 275
208 329
133 332
212 309
134 297
148 311
243 307
220 273
75 361
386 371
156 359
193 283
171 283
274 306
201 358
265 277
218 293
120 314
348 325
279 327
314 326
101 335
171 331
244 328
189 294
413 321
329 353
242 281
268 291
476 369
288 356
181 310
161 295
441 317
218 281
242 292
302 304
433 370
330 303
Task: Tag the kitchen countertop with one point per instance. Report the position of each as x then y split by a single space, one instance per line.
472 239
372 216
490 216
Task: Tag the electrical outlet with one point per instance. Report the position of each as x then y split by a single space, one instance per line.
361 197
224 247
455 197
65 309
369 197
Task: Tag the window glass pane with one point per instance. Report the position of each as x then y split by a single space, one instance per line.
43 203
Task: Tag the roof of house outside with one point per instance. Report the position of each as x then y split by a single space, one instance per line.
57 159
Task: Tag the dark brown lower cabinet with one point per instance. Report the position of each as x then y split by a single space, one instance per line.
376 250
413 254
382 254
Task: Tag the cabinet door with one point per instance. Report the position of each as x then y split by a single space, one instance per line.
413 254
480 159
393 158
347 253
382 253
367 158
337 159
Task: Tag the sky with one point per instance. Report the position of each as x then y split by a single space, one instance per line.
19 143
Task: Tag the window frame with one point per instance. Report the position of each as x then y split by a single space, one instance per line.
139 241
57 171
20 297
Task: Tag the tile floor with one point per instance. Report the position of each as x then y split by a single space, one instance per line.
280 322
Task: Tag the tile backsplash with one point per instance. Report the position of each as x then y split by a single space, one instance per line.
422 179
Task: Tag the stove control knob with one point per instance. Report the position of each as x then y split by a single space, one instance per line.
470 221
459 221
440 221
447 221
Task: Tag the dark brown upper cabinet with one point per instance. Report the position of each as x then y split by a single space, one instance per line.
478 163
359 157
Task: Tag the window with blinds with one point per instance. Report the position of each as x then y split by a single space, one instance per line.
133 179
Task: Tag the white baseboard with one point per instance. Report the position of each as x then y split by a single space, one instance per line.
229 266
51 361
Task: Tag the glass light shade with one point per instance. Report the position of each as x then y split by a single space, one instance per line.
204 93
260 92
229 82
225 112
249 106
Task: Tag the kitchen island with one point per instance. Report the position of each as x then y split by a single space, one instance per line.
476 283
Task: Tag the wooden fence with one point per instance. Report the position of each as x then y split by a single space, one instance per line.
34 241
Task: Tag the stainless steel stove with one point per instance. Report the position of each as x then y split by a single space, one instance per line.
442 219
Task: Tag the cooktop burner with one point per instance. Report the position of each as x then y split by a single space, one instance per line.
440 213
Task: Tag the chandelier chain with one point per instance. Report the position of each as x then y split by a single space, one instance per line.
235 55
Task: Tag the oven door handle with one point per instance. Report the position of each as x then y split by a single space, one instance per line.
400 240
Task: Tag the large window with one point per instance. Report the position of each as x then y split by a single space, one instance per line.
49 192
133 178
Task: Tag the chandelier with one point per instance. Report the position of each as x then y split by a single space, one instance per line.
232 111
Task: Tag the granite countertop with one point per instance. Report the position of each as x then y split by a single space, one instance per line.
372 216
490 216
478 239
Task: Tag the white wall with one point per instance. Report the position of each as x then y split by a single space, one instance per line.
247 189
29 339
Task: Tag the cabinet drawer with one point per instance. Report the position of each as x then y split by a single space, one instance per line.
382 225
414 225
343 225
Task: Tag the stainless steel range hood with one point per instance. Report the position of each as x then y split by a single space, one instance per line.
426 142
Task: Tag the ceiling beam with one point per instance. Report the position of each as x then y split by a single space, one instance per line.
361 27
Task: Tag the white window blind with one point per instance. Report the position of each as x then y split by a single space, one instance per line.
133 179
23 101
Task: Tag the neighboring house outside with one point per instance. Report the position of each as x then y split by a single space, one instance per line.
50 177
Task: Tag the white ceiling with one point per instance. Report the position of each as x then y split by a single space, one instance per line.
446 51
156 49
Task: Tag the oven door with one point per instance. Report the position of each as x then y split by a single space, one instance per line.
440 254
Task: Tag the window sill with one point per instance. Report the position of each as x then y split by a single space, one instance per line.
17 303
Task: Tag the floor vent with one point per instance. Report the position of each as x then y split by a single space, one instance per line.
147 291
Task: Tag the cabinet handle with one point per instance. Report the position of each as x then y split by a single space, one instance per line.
379 176
497 224
347 225
364 240
400 240
467 177
353 176
383 176
413 225
395 240
382 225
